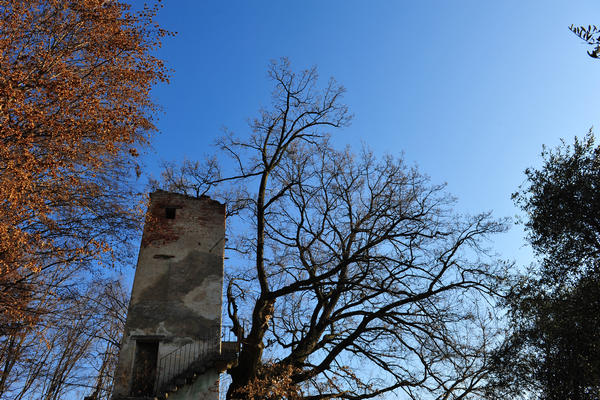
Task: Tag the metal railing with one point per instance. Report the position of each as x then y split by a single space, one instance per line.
227 334
191 356
180 360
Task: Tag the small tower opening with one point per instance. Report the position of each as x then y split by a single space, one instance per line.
170 212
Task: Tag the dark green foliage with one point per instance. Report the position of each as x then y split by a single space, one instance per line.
555 348
562 203
591 34
553 352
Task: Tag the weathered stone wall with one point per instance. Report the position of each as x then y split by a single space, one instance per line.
206 387
177 291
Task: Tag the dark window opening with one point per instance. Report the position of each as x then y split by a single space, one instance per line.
144 368
170 213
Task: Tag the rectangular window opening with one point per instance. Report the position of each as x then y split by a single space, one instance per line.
170 213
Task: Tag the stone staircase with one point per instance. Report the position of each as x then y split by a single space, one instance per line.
218 362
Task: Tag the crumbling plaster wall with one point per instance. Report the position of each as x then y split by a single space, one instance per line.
205 387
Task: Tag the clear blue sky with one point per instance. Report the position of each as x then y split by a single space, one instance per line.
468 90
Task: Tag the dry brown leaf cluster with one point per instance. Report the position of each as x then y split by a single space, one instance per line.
274 382
75 107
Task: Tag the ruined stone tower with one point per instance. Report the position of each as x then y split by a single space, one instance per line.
172 340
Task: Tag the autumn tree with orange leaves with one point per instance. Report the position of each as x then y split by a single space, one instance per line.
75 108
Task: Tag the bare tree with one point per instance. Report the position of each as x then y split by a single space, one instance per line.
72 348
362 279
103 357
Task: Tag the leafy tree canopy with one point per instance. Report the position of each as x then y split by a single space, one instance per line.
75 106
553 351
561 200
